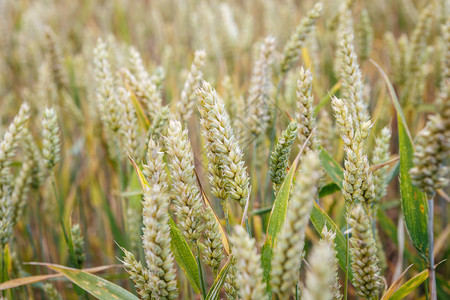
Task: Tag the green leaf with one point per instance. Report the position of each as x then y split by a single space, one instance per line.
262 211
184 256
410 285
332 167
96 286
329 189
414 202
276 221
319 218
393 172
214 292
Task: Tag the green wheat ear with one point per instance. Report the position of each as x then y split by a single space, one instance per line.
279 158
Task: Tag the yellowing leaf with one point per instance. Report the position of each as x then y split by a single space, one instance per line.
410 285
226 245
214 292
394 285
142 180
96 286
32 279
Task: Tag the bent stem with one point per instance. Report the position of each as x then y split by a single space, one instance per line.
431 267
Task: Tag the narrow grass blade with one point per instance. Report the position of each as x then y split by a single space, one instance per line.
142 117
96 286
226 245
33 279
410 286
319 218
394 285
393 172
141 177
394 98
184 256
329 189
214 292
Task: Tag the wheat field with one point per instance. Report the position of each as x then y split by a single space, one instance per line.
224 149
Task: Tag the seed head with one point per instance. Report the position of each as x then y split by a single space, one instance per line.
430 171
260 86
288 249
156 244
305 109
51 146
297 40
249 272
363 250
228 175
319 278
184 188
212 250
279 158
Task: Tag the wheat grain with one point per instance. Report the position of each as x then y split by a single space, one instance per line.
228 175
184 189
